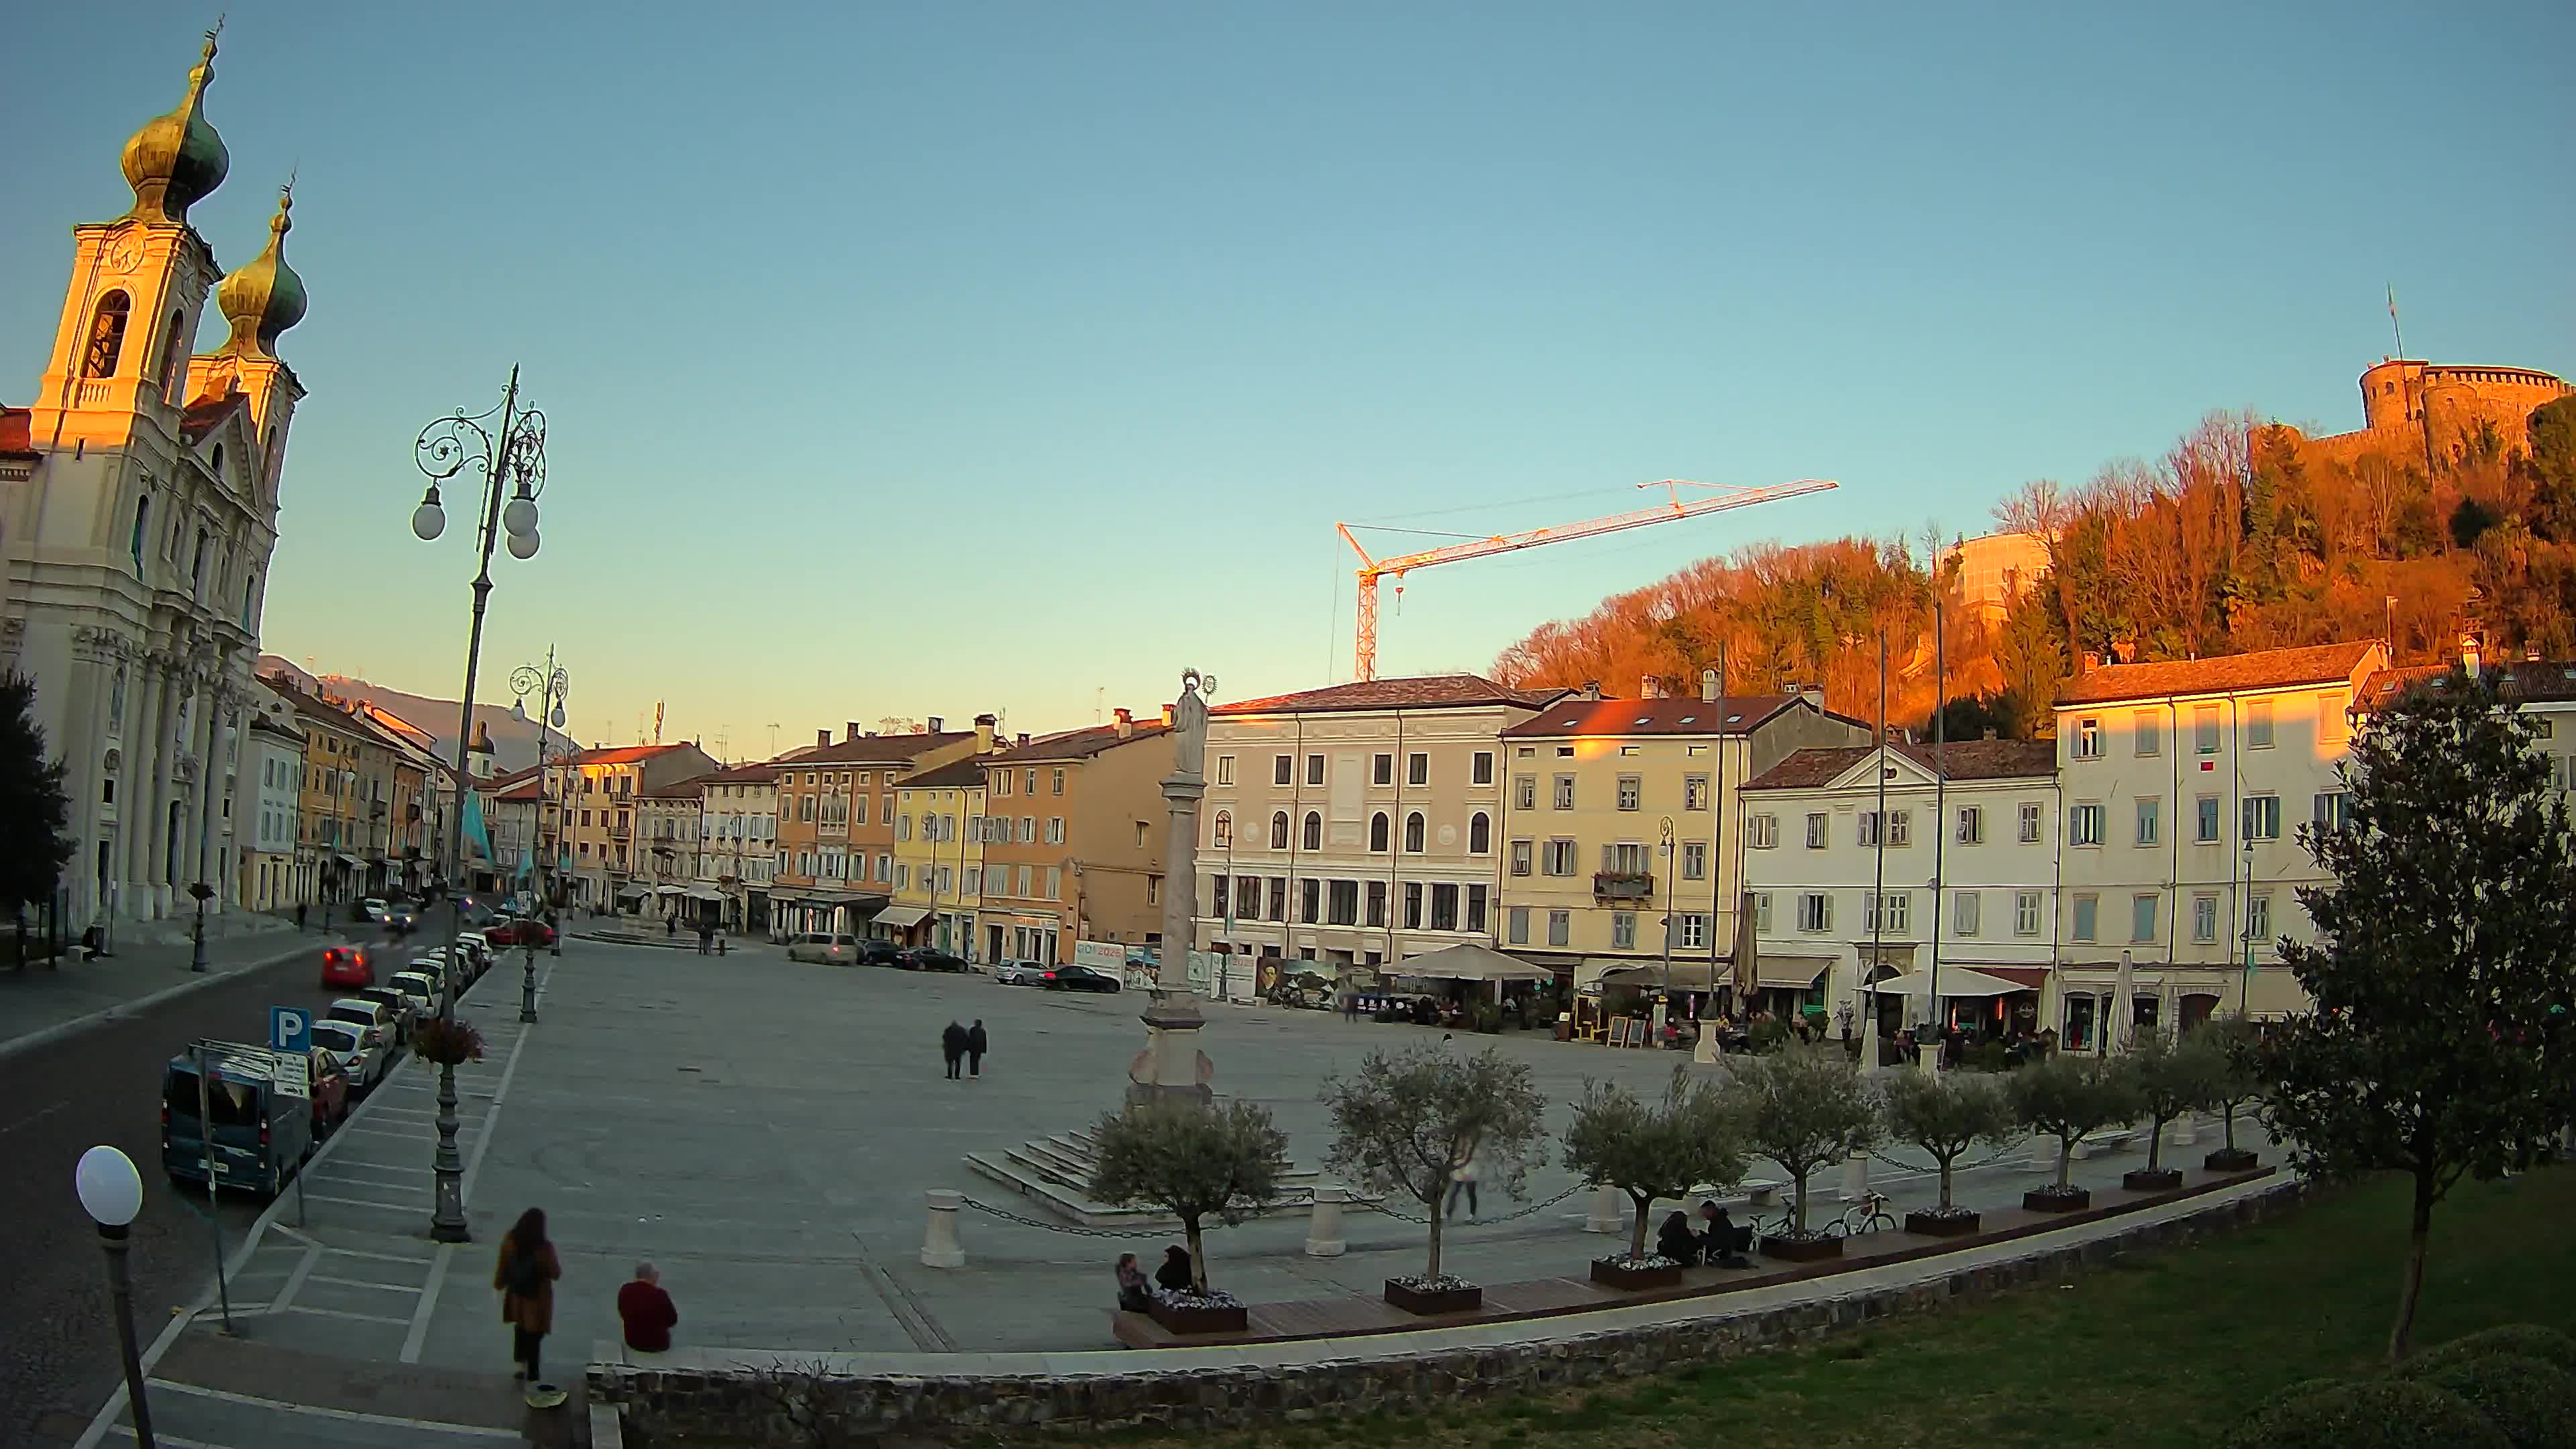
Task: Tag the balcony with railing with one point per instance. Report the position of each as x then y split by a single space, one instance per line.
1623 885
620 832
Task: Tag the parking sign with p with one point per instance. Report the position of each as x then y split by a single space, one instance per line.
290 1029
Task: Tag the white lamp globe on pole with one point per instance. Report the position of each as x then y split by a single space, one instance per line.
429 520
111 1191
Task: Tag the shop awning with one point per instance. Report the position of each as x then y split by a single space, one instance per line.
1700 975
704 893
347 859
1468 961
667 890
632 893
1956 981
901 917
1792 973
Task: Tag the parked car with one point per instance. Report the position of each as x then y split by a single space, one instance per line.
372 909
423 989
881 953
398 1004
260 1136
348 966
824 947
1079 978
373 1018
480 946
347 1044
931 958
330 1089
1019 973
524 931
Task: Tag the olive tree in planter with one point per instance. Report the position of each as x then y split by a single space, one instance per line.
1945 1116
2173 1077
1803 1108
1200 1161
2066 1097
1403 1123
2237 1087
1654 1150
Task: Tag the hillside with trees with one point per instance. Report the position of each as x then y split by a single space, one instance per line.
2243 536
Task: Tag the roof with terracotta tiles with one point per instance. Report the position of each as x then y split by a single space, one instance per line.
763 773
508 778
17 435
1574 716
522 792
2225 674
2542 680
1429 691
1079 744
692 788
206 414
956 774
621 754
1810 769
875 749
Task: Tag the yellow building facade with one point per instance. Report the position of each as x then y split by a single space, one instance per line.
938 858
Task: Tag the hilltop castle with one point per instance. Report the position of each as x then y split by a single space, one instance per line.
2420 410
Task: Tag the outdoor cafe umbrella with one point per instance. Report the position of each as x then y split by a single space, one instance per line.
1868 1023
2124 1013
1748 971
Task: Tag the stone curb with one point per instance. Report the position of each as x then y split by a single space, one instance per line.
744 1394
60 1031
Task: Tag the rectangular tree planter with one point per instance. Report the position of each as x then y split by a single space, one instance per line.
2162 1179
2048 1202
1195 1318
1935 1225
1615 1273
1446 1300
2231 1159
1803 1250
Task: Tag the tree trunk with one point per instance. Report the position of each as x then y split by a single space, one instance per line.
1198 1255
2155 1141
1945 1182
2227 1123
2410 1286
1637 1234
2065 1160
1798 1203
1433 1269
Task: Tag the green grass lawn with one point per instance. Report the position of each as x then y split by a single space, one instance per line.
2164 1349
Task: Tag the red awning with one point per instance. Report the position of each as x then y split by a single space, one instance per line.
2028 978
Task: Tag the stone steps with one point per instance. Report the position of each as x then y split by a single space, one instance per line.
1054 1172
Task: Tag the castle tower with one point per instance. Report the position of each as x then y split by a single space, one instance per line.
132 556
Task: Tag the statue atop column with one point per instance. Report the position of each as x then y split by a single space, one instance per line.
1190 724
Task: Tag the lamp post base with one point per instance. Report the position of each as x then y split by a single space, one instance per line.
528 987
447 1208
120 1288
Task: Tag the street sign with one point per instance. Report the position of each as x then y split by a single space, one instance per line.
289 1074
290 1029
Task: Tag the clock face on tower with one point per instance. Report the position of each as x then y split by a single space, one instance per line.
123 255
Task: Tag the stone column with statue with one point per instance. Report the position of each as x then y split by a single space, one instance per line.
1172 1063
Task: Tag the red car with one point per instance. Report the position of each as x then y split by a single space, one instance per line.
524 931
350 966
330 1088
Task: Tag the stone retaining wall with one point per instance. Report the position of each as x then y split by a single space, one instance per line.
746 1401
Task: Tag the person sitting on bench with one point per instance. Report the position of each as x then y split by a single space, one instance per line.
1676 1241
1723 1243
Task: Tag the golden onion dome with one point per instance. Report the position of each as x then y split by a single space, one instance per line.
177 159
264 297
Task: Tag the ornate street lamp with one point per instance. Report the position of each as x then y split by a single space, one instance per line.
550 684
111 1192
511 457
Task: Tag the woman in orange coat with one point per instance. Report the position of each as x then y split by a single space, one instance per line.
525 1278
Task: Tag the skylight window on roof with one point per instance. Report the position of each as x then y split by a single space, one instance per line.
1645 719
1735 719
1686 719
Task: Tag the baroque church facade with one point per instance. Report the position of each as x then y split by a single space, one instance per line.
138 512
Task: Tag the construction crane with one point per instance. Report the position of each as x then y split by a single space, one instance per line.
1371 570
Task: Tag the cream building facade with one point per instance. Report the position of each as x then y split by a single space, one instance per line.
938 858
274 873
594 793
1621 818
1074 832
137 523
738 845
1360 824
2184 786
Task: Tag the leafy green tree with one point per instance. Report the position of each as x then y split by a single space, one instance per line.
1653 1150
2443 943
2551 469
2173 1077
2070 1095
2235 1083
1195 1158
1803 1108
1403 1123
34 813
1947 1115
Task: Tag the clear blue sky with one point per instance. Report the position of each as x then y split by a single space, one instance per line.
929 358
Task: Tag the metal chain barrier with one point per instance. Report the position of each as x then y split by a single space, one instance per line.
1008 1216
1505 1218
1934 1169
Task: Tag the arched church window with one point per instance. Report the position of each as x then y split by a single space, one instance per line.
142 516
197 568
173 348
106 336
219 462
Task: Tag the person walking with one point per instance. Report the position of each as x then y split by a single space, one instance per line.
525 1278
952 1045
646 1311
706 937
671 926
976 1042
1462 1183
299 916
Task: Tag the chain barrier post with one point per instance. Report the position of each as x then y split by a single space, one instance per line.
1609 1211
1324 1228
1856 1177
940 1247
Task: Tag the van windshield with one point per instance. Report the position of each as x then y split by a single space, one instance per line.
234 1104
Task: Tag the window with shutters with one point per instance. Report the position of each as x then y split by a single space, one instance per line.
1762 832
1694 860
1623 930
1522 851
2026 913
1815 911
1966 909
1560 927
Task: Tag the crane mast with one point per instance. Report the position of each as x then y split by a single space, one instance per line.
1372 570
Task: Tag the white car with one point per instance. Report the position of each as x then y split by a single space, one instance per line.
364 1064
373 1020
1019 973
371 909
422 987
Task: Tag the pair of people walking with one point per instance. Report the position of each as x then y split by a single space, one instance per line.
964 1044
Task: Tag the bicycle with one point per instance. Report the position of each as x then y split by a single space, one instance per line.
1869 1215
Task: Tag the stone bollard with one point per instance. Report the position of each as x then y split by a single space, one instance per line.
2184 1131
1609 1212
1856 1177
940 1247
1324 1228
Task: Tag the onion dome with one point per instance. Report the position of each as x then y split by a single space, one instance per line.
177 160
264 297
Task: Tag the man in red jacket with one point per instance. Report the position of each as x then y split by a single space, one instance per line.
647 1311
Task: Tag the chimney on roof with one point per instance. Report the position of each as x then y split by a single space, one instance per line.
2092 661
1592 689
1648 687
2469 654
984 726
1167 716
1023 738
822 738
1708 686
849 730
1126 724
937 725
1990 732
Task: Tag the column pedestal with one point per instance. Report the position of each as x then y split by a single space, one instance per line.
1171 1065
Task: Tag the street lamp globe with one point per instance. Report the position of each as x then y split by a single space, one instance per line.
523 545
429 520
520 515
111 1191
